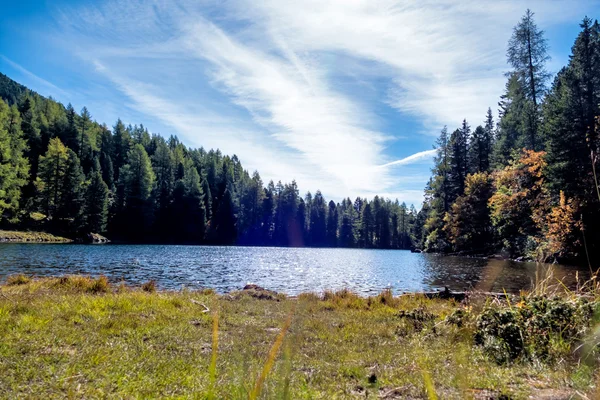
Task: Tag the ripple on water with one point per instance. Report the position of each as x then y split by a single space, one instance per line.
287 270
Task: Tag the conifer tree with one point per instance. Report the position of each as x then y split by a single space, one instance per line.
332 224
71 202
14 168
528 53
53 166
138 179
457 161
96 204
194 212
318 220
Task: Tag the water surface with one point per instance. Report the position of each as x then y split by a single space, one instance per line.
287 270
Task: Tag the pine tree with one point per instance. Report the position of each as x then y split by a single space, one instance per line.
249 220
468 224
162 165
96 204
512 134
71 203
138 179
570 111
457 161
195 214
332 224
477 157
366 226
70 137
225 221
14 168
53 166
31 133
528 53
318 220
347 235
85 122
122 146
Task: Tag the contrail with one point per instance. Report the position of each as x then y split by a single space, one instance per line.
412 158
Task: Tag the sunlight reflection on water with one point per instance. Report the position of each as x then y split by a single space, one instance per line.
287 270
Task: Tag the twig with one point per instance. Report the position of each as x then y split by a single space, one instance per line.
206 309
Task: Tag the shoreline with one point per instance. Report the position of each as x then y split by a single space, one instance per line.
33 237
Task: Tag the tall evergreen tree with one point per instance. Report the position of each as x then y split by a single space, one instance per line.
138 180
332 224
96 204
14 168
458 161
71 203
528 53
512 134
225 221
194 212
367 226
53 166
318 220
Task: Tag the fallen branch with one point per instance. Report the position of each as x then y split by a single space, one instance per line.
447 294
206 309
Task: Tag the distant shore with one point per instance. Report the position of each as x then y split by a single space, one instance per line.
31 237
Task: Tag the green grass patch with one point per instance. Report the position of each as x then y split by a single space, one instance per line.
82 337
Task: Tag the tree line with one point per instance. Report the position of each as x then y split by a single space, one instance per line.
63 172
527 184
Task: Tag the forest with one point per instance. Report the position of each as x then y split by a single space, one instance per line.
63 172
523 185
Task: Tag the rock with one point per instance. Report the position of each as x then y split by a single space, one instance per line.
252 286
93 238
260 292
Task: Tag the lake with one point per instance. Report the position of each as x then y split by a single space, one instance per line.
286 270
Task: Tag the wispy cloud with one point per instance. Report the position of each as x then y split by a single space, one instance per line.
262 79
52 89
422 155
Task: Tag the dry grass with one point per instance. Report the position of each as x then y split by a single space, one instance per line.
31 237
18 279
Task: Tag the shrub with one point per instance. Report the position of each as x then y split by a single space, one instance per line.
149 286
19 279
539 327
99 285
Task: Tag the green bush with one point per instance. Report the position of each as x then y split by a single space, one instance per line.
542 328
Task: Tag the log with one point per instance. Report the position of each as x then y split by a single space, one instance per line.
447 294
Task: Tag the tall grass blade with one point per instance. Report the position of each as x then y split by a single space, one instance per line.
271 358
429 386
212 369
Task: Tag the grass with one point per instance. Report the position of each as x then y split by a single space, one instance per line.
80 337
31 237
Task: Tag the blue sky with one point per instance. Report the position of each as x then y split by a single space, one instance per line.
345 96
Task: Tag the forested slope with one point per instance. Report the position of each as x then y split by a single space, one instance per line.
66 173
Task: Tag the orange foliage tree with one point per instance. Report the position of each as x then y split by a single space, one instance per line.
561 230
520 201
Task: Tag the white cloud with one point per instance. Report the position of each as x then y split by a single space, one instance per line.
53 89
